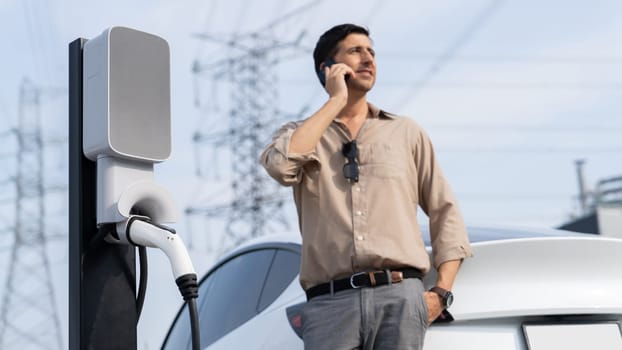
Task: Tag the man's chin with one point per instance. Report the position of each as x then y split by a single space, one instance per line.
364 86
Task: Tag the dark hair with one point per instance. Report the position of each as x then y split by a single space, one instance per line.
327 44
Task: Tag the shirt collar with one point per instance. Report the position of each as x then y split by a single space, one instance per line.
375 112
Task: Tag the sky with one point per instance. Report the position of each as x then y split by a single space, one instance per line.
511 92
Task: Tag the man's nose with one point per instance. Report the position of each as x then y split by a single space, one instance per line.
367 57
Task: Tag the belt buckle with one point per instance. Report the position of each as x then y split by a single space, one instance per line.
397 276
352 280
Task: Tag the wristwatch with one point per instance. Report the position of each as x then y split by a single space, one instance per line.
446 296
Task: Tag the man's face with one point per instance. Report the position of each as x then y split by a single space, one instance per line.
356 51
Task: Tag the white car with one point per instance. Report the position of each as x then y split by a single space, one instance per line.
523 289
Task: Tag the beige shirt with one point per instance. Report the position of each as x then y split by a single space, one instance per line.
349 227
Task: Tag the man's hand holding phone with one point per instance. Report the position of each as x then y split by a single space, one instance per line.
334 77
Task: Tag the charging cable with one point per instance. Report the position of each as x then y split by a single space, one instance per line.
142 232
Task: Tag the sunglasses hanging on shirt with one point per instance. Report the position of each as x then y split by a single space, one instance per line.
351 168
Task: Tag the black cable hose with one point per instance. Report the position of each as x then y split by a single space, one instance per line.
189 288
142 282
194 323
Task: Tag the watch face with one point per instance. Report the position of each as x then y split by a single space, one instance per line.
449 299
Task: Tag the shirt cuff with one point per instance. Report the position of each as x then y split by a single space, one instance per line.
458 252
282 146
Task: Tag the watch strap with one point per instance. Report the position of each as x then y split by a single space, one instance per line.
443 293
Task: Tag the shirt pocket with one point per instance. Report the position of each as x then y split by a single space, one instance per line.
311 177
383 160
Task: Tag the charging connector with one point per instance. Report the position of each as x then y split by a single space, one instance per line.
142 232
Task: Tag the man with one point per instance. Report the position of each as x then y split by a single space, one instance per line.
358 174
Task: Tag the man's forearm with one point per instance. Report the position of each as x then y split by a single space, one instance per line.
447 272
306 137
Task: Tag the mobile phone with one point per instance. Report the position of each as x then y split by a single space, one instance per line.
327 63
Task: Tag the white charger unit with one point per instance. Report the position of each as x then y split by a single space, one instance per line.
127 122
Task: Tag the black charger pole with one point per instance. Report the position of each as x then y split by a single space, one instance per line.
102 277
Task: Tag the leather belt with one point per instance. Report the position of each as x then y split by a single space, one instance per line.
367 279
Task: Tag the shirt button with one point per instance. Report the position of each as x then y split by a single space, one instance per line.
357 189
360 238
359 213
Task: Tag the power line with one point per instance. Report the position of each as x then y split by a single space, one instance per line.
234 41
511 196
301 9
519 218
584 60
465 36
241 16
34 38
56 141
4 201
38 37
584 86
525 128
491 85
4 249
375 9
7 181
541 151
207 22
7 133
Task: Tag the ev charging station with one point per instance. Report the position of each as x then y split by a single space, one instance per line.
119 127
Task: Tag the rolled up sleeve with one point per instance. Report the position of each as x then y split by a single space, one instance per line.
448 234
282 165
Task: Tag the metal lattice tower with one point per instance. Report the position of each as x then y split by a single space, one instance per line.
29 316
256 200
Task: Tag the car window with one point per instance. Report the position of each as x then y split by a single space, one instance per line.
179 336
228 297
284 269
235 292
231 296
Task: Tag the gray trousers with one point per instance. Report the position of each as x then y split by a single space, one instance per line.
386 317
